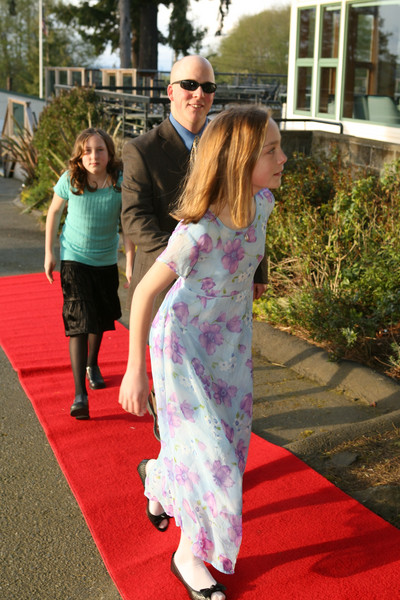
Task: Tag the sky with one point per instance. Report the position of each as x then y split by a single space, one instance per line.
203 13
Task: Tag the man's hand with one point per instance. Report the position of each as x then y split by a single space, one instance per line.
258 290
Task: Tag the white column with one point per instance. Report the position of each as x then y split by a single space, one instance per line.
40 49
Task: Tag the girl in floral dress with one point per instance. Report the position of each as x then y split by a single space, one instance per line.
200 344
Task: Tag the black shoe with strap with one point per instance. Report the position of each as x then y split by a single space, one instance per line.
194 594
155 520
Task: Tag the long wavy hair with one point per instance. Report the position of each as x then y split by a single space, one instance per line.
222 171
78 173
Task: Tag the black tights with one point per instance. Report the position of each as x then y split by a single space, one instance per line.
83 352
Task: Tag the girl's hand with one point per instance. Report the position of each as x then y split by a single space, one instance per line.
134 392
52 223
49 266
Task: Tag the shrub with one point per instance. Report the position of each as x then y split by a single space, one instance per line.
334 252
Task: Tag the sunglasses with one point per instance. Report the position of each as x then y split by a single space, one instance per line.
190 85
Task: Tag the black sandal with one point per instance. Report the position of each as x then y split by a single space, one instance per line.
155 520
193 594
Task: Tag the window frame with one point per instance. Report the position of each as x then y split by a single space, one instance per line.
304 62
331 63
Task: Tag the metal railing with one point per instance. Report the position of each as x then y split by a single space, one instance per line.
310 120
139 113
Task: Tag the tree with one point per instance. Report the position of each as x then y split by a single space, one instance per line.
223 11
182 35
19 45
99 24
148 36
124 34
259 43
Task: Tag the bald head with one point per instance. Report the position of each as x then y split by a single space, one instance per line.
184 68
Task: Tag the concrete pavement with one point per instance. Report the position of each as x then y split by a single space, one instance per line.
302 401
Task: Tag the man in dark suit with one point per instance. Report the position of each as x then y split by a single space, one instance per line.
155 166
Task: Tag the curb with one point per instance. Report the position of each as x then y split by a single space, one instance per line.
356 380
351 378
327 440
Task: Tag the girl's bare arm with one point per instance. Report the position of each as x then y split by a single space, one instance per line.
52 223
135 386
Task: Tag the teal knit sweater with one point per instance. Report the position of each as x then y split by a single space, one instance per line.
90 232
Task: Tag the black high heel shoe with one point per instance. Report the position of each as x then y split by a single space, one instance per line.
193 594
95 378
80 407
155 520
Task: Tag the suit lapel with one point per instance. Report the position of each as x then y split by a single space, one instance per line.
172 144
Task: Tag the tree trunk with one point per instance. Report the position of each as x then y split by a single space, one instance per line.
135 49
148 51
124 34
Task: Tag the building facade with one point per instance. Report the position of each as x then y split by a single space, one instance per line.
344 68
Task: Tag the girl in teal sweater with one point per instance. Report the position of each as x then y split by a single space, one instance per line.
91 189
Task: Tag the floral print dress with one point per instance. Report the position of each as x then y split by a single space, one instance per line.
200 344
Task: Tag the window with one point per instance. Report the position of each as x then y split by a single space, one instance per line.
305 58
372 67
327 90
328 61
76 78
63 77
307 32
330 32
18 116
127 82
304 81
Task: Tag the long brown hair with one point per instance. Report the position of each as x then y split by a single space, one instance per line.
78 174
222 171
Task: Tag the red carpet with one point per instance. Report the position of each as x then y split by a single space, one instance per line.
303 538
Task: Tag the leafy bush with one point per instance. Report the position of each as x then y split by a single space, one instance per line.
334 251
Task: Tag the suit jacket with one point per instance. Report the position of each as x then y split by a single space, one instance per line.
155 166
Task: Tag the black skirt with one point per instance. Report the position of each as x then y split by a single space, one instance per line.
91 302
